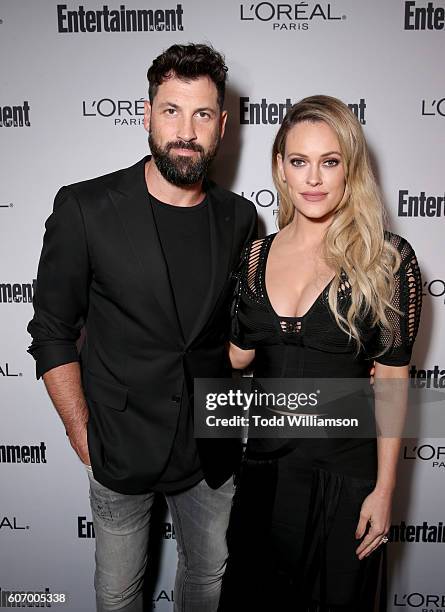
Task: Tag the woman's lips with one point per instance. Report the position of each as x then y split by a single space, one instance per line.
314 196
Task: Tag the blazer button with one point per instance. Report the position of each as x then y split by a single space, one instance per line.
176 398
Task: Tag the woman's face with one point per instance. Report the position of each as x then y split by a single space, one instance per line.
312 169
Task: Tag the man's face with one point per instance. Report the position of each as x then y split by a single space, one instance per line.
185 126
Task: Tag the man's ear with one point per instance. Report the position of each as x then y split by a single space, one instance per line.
147 115
222 123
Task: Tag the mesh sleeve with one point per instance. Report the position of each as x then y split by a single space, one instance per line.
407 299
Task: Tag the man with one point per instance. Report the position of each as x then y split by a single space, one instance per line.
142 258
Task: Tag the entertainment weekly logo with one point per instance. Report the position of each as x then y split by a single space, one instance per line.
425 532
433 378
297 17
23 453
120 112
15 116
267 112
421 602
421 16
433 108
420 204
85 529
17 293
118 20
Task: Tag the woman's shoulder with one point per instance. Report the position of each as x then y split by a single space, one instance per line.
253 255
254 247
261 241
402 245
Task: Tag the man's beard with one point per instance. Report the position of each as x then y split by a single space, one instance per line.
182 170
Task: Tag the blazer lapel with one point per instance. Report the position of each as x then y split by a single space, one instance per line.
134 208
221 222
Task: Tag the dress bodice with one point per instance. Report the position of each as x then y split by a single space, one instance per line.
314 344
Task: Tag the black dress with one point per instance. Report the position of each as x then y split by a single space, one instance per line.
292 536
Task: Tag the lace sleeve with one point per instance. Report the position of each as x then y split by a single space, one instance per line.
408 299
245 276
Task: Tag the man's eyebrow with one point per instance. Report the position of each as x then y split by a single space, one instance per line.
205 108
197 110
169 104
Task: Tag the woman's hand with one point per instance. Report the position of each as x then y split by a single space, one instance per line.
375 511
391 385
240 358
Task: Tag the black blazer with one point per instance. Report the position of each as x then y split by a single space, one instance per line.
102 268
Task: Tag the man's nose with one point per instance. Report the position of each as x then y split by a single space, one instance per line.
186 130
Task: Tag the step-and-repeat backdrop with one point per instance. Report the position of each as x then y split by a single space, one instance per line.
72 85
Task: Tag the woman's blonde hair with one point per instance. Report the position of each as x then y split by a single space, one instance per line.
354 242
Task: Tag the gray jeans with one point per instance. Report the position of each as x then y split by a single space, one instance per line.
121 523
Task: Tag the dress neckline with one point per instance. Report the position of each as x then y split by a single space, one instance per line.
269 239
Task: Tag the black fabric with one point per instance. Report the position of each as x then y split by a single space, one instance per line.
102 268
292 537
255 323
185 239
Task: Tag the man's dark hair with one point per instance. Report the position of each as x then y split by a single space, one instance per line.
188 62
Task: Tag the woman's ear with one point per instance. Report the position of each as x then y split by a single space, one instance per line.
280 168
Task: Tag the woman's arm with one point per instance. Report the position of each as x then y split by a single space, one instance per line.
240 358
390 406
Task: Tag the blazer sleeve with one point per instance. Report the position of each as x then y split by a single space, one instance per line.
253 228
238 329
63 280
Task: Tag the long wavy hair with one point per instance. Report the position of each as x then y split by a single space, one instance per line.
354 242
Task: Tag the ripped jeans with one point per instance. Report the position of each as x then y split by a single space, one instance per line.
121 522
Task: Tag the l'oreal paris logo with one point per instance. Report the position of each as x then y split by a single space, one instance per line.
287 17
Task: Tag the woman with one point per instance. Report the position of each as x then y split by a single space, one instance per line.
324 297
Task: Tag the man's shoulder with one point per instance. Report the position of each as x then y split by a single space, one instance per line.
99 185
243 205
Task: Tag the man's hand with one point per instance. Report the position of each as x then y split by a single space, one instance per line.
64 385
80 445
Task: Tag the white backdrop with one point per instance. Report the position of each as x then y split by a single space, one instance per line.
71 109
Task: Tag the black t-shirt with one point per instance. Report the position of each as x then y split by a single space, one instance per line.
185 238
